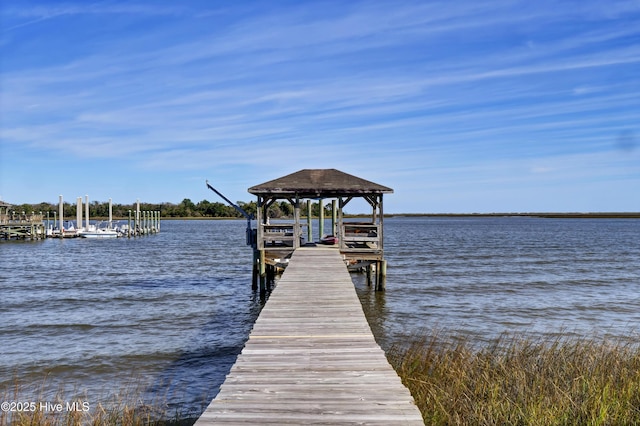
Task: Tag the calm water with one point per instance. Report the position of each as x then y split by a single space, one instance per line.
172 311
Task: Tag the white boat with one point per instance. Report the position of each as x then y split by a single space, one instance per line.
98 232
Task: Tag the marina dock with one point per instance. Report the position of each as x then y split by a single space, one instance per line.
20 225
311 357
32 226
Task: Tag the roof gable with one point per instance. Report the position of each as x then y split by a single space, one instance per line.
314 183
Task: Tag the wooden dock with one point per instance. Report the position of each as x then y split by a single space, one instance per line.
311 357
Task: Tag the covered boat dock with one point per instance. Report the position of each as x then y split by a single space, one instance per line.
360 241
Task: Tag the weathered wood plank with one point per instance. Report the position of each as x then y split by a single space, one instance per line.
311 357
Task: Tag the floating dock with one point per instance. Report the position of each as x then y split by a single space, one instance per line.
311 357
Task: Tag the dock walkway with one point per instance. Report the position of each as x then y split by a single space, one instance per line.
311 357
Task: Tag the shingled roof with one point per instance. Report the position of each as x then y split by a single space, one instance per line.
318 183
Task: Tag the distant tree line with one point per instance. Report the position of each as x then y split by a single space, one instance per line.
186 208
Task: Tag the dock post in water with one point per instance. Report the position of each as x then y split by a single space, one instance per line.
309 222
61 214
334 216
255 270
110 214
320 218
86 212
78 213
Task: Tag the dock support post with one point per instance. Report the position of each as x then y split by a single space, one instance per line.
86 212
263 274
110 213
369 275
137 224
129 226
271 276
382 275
61 215
79 213
255 271
320 218
334 217
309 227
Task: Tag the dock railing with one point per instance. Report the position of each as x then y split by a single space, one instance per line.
360 235
20 218
280 235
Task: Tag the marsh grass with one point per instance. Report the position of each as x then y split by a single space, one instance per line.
127 408
521 381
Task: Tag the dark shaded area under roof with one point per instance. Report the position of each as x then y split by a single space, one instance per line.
318 183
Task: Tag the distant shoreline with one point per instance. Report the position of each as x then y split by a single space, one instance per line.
576 215
549 215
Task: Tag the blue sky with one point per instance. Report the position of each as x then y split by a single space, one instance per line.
459 106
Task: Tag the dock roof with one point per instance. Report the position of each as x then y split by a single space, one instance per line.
319 183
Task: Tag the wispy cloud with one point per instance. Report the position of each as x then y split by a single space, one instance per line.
369 86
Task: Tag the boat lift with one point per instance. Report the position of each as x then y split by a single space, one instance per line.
251 233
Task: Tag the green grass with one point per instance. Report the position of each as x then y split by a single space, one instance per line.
520 381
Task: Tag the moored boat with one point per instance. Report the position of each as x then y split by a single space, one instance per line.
99 233
329 240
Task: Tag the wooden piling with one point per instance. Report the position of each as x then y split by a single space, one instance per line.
263 273
309 222
334 217
382 278
79 213
86 212
61 213
255 270
320 218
